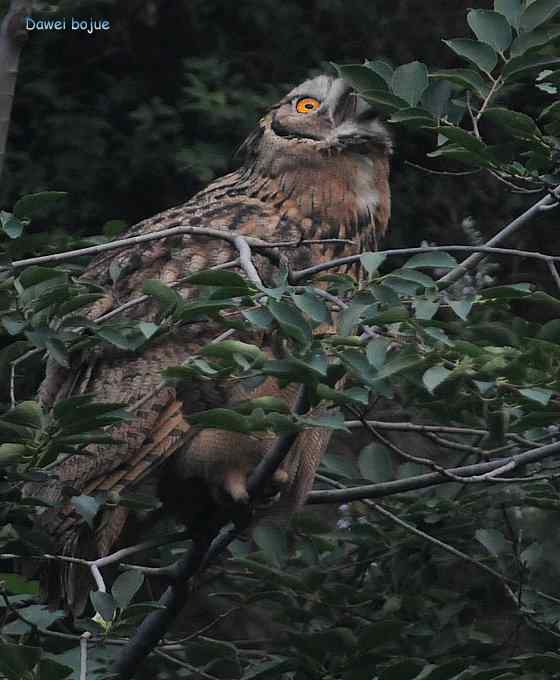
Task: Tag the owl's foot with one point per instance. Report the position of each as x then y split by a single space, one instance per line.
235 485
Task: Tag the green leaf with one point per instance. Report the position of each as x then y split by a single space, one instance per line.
539 394
291 321
37 615
465 78
382 68
376 352
434 377
218 278
103 604
528 41
372 261
376 463
166 296
221 419
410 81
87 507
36 205
273 542
425 309
404 361
125 588
49 669
361 77
332 421
11 453
527 64
312 305
16 661
260 317
413 117
511 292
439 259
511 9
341 466
461 308
493 540
491 28
464 139
227 348
436 98
57 350
384 101
517 124
11 226
18 585
148 329
537 13
479 54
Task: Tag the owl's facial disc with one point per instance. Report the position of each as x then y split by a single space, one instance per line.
326 113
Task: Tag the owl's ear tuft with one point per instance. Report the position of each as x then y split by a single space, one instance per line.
250 146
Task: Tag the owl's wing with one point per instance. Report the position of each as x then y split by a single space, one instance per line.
158 427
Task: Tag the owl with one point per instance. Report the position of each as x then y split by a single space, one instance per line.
315 167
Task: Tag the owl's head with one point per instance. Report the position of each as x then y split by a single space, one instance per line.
322 116
327 151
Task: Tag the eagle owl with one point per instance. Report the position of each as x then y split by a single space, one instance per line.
315 167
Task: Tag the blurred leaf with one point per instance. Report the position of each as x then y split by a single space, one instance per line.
436 97
410 81
125 588
291 321
539 394
11 226
479 54
218 278
439 259
491 28
11 453
49 669
376 463
372 261
312 305
537 13
341 465
273 542
413 117
103 604
493 540
166 296
19 585
434 376
87 507
376 352
425 309
16 661
37 205
461 308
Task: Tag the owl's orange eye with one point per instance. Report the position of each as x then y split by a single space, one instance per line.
307 104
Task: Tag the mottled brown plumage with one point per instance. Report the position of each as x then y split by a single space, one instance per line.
316 166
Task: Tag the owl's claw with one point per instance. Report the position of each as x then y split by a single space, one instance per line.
235 485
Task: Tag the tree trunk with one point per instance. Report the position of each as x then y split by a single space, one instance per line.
12 37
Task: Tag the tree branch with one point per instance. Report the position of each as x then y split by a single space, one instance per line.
12 38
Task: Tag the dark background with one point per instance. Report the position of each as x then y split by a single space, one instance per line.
135 119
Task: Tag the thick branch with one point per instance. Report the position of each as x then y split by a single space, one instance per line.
12 37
